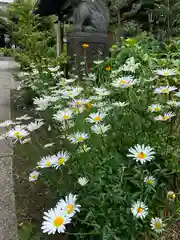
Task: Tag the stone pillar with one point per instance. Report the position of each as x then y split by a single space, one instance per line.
97 43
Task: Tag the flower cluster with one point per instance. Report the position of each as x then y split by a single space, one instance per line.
55 161
105 128
56 219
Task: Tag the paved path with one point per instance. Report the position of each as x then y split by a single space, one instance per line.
7 200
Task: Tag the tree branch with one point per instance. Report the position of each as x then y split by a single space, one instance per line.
135 9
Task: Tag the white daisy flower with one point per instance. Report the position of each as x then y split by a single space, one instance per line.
139 210
54 69
6 123
69 205
130 65
70 80
173 103
63 115
100 128
165 89
46 162
17 133
82 181
33 176
124 82
177 94
55 221
48 145
60 159
96 117
78 137
171 196
157 225
71 93
34 125
150 180
166 72
102 91
65 81
42 103
120 104
24 117
79 102
165 116
97 62
141 154
155 108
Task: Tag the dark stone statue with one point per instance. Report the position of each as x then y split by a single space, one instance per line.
86 15
91 16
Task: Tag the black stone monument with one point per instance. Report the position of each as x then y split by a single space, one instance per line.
90 20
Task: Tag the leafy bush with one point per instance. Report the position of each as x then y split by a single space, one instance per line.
34 36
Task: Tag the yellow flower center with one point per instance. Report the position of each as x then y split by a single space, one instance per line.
70 208
157 109
48 164
78 103
66 117
166 74
33 176
61 161
141 155
70 94
108 68
98 118
18 135
157 225
114 46
172 196
150 181
165 90
89 105
80 139
140 210
85 45
58 221
164 118
122 81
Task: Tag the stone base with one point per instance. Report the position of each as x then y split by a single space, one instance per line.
98 44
